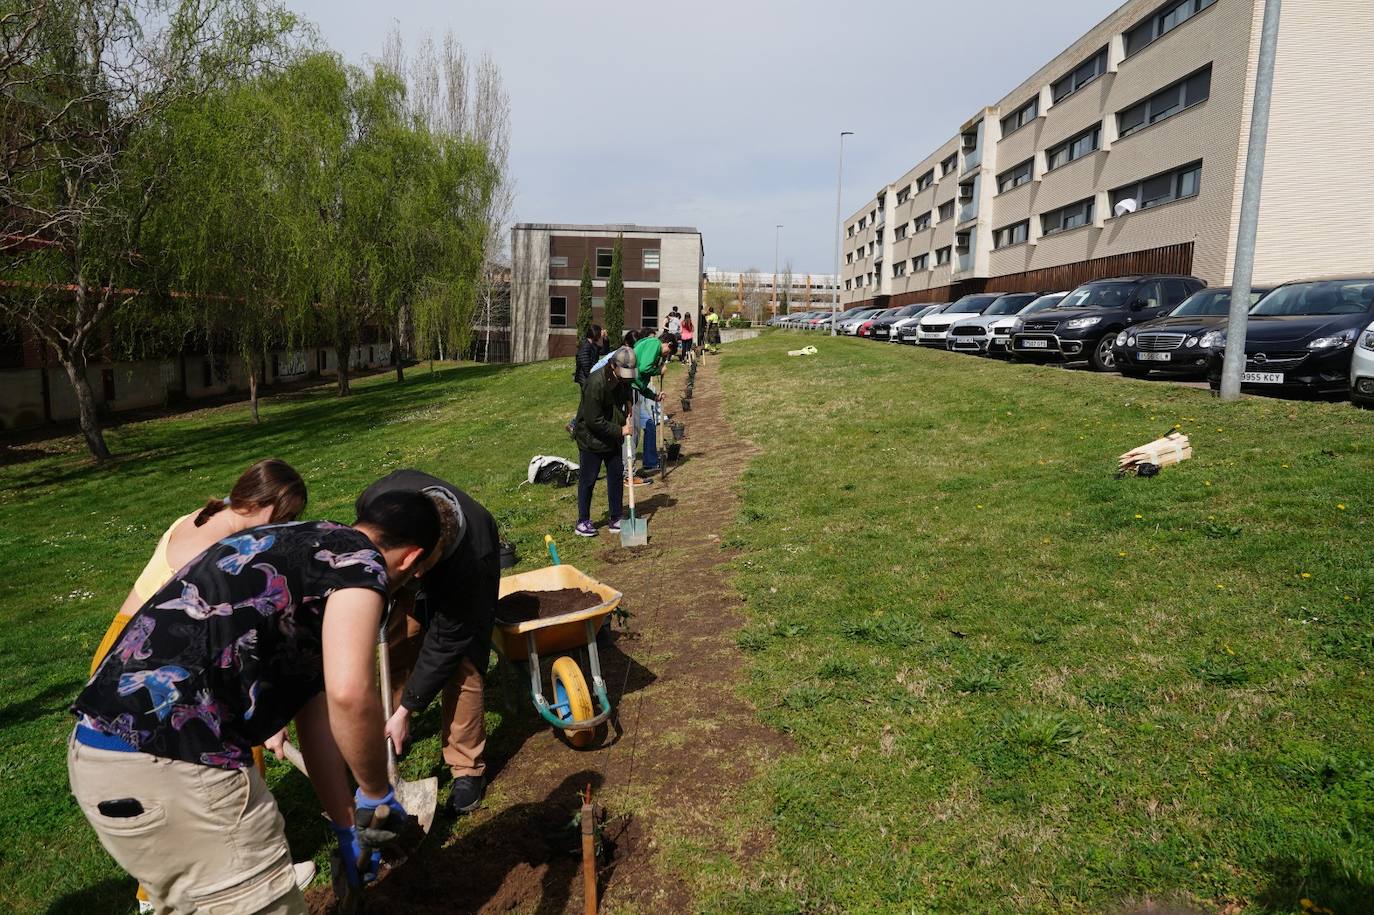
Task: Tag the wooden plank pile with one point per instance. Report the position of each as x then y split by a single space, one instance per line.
1161 452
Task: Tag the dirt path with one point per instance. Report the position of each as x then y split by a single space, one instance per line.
687 741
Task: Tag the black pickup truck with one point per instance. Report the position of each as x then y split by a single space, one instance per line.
1085 324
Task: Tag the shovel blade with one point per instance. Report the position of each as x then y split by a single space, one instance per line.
634 532
421 800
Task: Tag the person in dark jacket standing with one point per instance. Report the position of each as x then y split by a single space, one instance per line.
442 640
602 424
587 354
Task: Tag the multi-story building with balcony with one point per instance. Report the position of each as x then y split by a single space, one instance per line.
1125 154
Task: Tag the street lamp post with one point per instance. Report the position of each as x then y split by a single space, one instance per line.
777 232
1233 363
839 190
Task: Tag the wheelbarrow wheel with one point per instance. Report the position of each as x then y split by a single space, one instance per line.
570 690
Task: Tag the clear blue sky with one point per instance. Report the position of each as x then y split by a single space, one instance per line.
725 115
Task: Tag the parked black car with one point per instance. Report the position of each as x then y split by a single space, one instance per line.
882 327
1085 324
1300 337
1172 345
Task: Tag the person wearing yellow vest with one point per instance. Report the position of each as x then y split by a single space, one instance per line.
712 328
268 492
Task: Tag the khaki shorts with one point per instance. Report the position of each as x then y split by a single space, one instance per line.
208 840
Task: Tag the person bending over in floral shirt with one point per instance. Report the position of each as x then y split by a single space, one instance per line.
275 623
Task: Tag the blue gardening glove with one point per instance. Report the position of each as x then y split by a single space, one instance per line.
350 854
377 823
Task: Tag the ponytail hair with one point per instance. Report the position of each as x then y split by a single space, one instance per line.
268 482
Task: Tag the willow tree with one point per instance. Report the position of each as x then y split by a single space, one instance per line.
223 232
85 91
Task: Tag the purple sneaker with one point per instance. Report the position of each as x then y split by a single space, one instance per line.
613 527
585 529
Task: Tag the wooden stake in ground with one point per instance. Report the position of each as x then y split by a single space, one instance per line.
588 820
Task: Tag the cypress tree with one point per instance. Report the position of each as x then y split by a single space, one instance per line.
584 302
615 297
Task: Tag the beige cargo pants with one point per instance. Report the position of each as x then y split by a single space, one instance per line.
208 840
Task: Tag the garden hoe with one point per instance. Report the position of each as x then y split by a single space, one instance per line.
634 531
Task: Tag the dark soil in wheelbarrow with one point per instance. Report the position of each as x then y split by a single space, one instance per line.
522 606
689 744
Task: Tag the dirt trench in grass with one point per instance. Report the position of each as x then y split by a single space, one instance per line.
687 741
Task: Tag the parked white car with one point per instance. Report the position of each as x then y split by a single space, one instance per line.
1362 369
999 344
972 335
934 329
850 326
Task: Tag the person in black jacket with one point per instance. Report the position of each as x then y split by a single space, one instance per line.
587 354
441 642
601 425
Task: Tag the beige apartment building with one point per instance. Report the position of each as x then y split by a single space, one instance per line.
661 267
1124 154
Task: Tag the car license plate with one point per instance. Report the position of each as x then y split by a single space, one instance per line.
1262 377
908 336
1035 344
1154 357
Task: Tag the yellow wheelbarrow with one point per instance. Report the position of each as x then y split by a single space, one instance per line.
572 710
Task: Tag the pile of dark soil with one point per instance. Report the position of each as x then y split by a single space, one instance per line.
521 606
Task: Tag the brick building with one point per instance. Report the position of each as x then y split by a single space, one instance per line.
662 267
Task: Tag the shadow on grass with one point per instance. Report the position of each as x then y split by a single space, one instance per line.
312 414
1292 880
111 896
51 701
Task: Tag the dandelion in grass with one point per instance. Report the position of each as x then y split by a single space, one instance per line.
1306 575
1206 482
1140 517
1122 554
1340 506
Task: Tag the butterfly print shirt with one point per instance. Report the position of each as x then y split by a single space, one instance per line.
228 651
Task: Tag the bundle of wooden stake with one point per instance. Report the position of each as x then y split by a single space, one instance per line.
1161 452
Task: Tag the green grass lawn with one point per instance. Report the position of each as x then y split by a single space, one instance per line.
73 537
1019 685
1014 684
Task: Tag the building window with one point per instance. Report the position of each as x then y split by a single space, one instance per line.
558 261
558 311
863 223
1167 102
920 262
851 230
899 269
598 301
903 194
950 163
849 257
1083 74
1070 217
603 263
847 285
925 181
1015 176
947 211
921 222
1075 147
1014 234
650 258
1174 185
942 255
1161 21
899 233
648 314
1020 117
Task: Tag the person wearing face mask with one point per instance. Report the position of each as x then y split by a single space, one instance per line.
276 623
